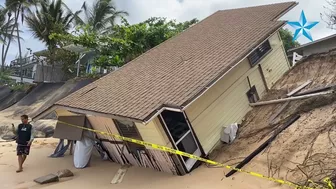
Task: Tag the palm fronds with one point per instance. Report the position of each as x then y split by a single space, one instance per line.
51 17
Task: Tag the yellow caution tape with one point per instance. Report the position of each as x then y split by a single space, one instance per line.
173 151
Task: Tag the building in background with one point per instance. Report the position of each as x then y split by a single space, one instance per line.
85 61
319 46
36 70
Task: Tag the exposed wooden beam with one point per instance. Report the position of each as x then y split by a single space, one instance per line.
299 88
316 90
290 99
284 106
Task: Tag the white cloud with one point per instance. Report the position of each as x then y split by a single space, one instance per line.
182 10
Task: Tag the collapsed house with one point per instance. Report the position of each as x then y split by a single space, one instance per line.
181 93
305 150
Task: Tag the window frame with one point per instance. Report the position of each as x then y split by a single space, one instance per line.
132 147
261 54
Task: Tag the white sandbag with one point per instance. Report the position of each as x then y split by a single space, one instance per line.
229 133
83 151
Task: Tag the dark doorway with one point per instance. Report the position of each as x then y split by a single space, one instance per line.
182 135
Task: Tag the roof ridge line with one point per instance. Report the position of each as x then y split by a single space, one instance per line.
261 5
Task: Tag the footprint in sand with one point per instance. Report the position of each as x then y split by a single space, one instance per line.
25 185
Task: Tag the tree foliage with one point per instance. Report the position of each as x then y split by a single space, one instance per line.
101 15
7 29
20 7
330 16
287 39
4 78
63 58
126 42
50 18
7 24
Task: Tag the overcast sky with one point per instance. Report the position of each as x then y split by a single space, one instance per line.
182 10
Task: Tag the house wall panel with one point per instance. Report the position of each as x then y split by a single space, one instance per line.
257 81
226 102
153 132
104 124
230 107
203 102
150 158
276 64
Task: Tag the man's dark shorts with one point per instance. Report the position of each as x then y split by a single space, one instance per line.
22 150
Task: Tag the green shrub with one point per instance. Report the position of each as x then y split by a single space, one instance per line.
5 79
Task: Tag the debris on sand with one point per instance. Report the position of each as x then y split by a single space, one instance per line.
47 179
64 173
54 177
264 145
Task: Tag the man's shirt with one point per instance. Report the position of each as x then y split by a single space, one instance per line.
24 133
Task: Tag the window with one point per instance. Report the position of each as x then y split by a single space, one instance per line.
128 129
259 53
252 95
181 133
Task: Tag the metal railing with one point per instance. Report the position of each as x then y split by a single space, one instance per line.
25 61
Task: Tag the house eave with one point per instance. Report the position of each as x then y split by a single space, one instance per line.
83 111
311 43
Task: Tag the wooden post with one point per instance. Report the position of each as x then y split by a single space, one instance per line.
263 77
71 146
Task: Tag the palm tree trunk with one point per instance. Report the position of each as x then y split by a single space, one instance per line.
3 52
3 48
2 58
19 44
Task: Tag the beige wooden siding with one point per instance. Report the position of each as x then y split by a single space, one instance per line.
226 102
104 124
229 107
275 65
256 79
203 102
119 152
153 132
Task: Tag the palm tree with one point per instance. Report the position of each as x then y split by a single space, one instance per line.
7 27
49 18
101 16
20 8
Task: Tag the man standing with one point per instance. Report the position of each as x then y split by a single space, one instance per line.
24 139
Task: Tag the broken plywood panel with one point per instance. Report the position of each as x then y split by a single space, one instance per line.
118 177
47 179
